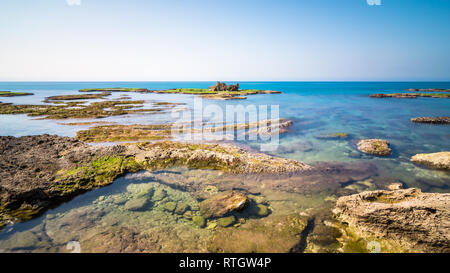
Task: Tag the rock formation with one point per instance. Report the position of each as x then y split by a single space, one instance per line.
419 222
220 86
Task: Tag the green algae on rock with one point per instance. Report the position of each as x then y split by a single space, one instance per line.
333 136
76 110
54 169
14 94
204 92
78 97
136 132
439 160
223 203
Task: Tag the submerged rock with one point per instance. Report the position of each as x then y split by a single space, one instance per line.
223 203
139 204
199 221
374 147
415 220
432 120
435 160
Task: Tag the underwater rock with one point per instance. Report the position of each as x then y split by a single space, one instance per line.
435 160
267 235
170 206
159 195
138 204
432 120
259 210
226 221
374 147
223 203
418 221
199 221
333 136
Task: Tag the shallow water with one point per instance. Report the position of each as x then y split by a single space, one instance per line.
315 108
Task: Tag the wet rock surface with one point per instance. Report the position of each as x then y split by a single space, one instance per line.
418 221
434 160
378 147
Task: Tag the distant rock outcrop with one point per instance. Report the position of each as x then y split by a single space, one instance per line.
220 86
418 221
374 146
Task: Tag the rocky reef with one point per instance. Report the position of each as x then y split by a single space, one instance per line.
374 147
432 120
221 86
116 133
40 171
79 110
399 220
434 160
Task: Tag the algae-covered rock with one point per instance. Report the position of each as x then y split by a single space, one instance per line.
138 204
199 221
170 206
159 194
260 210
435 160
333 136
374 147
223 203
181 208
226 221
267 235
418 221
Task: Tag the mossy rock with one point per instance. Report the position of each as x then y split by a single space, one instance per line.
139 204
259 210
199 221
226 221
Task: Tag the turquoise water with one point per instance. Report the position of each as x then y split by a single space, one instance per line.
315 107
96 218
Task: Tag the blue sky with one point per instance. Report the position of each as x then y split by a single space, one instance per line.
161 40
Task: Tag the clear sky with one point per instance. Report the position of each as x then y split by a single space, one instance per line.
162 40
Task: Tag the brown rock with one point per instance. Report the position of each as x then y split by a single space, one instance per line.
419 222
